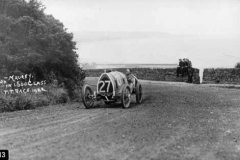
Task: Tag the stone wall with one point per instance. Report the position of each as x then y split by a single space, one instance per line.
221 75
155 74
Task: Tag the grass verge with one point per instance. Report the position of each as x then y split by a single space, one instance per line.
53 95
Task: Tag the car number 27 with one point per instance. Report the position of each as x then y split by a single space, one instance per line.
104 85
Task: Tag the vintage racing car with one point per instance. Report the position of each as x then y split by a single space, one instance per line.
112 87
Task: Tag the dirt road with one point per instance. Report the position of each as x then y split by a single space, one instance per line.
175 121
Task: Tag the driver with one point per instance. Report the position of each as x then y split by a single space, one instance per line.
108 70
130 79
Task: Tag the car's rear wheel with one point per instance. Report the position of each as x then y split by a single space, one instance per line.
139 93
87 96
126 96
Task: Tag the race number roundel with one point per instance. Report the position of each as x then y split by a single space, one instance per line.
105 85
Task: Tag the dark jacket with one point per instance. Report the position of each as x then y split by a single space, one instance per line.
180 64
185 64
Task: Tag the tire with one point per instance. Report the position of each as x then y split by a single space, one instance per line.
87 96
139 93
126 96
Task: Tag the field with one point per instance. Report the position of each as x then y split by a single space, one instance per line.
175 121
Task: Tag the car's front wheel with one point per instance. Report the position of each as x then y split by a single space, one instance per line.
87 96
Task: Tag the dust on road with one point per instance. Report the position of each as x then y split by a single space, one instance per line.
175 121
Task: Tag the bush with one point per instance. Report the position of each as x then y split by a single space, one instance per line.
14 102
22 101
77 94
73 90
56 95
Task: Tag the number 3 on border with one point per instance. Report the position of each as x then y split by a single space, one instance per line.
4 155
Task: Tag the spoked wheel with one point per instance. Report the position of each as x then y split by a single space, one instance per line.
126 96
139 93
87 96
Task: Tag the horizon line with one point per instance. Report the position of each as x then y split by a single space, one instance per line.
140 63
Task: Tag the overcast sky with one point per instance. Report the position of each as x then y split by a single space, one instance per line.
197 29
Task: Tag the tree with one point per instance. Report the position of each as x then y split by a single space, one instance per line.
32 41
237 65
